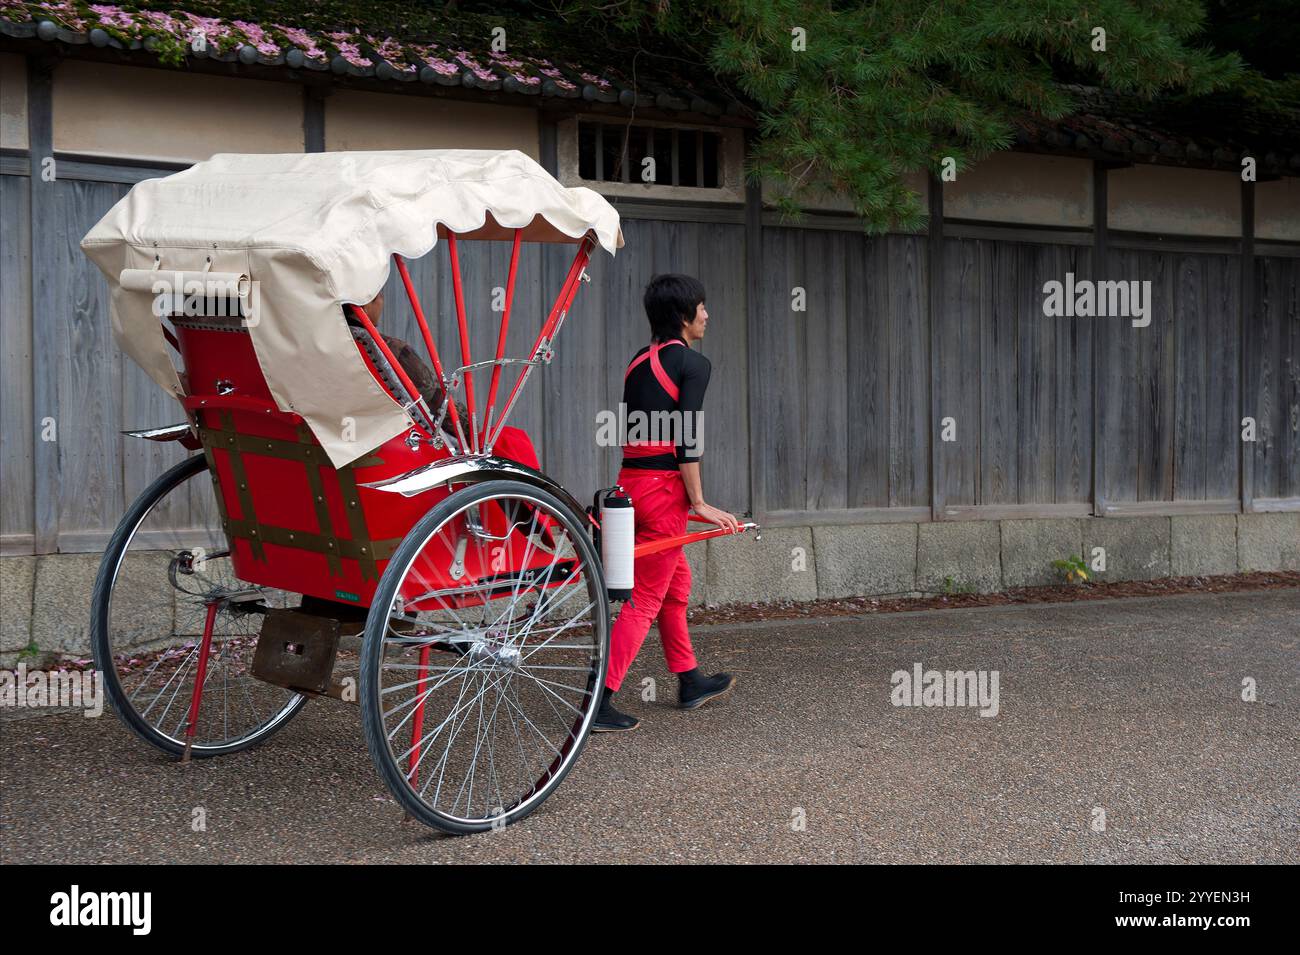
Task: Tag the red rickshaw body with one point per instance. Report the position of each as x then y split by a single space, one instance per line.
293 521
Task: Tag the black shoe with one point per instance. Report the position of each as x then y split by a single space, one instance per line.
610 720
694 690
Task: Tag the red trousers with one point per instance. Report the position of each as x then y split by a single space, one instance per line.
663 580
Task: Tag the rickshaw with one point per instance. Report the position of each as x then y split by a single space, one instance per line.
334 535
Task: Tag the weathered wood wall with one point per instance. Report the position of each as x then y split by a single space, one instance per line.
1170 394
17 430
1017 385
847 394
1274 377
843 354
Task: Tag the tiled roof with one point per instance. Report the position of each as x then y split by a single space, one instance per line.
180 37
1210 132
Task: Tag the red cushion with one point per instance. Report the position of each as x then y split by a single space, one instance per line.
515 444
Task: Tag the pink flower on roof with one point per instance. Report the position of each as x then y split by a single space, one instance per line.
392 51
550 72
257 36
475 67
210 27
59 11
595 80
439 65
517 68
301 39
160 21
111 16
348 49
65 12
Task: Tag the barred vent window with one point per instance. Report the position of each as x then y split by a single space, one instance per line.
617 152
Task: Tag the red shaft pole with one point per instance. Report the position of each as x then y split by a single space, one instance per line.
664 543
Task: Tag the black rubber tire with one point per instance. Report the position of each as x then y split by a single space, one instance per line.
103 653
376 624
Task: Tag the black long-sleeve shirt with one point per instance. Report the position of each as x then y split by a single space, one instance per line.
690 371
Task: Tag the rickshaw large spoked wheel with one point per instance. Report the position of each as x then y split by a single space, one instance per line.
485 650
158 592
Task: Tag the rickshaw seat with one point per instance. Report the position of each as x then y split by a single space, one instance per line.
390 378
512 443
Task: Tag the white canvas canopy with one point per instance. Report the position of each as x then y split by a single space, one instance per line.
308 233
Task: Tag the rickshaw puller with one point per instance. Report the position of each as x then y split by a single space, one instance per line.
663 480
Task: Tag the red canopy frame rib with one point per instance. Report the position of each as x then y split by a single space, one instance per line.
481 441
545 336
501 337
463 324
434 358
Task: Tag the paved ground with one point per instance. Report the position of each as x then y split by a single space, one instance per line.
1133 706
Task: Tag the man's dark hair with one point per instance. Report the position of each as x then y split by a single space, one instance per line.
669 301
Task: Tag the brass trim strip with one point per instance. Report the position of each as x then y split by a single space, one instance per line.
306 451
323 521
229 441
357 522
318 543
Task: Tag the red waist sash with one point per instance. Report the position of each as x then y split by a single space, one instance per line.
648 449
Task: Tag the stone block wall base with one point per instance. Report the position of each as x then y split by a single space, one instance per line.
45 601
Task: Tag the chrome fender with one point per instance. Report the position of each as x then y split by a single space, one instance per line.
183 432
472 469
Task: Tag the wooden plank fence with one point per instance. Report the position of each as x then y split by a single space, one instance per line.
850 377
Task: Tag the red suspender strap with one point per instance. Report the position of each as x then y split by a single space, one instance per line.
657 367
